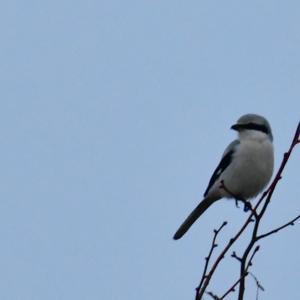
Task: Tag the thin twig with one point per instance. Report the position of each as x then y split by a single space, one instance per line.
215 297
220 257
258 284
207 259
232 288
290 223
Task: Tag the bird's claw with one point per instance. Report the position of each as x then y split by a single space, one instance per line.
237 203
247 204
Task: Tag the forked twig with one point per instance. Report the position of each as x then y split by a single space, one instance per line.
207 259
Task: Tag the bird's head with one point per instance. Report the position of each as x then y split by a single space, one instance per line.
252 126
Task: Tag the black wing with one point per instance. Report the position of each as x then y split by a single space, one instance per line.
224 163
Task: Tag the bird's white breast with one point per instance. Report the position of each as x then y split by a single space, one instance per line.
251 168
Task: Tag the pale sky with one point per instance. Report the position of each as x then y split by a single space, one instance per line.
113 116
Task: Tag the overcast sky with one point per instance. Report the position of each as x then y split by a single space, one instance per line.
113 116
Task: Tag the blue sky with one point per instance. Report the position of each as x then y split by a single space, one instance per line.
113 116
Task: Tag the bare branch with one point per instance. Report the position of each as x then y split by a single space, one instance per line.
258 285
265 204
215 297
290 223
207 259
232 288
207 278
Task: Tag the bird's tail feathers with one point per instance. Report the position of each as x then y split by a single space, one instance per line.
194 215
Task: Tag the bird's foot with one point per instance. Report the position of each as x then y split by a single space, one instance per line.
247 204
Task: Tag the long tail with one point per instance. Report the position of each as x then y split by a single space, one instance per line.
194 215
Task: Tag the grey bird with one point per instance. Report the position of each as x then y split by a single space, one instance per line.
244 171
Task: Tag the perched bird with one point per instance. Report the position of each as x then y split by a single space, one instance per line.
245 168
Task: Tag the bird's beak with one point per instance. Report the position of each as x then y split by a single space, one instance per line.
235 127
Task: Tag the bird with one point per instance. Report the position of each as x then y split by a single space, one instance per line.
245 168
